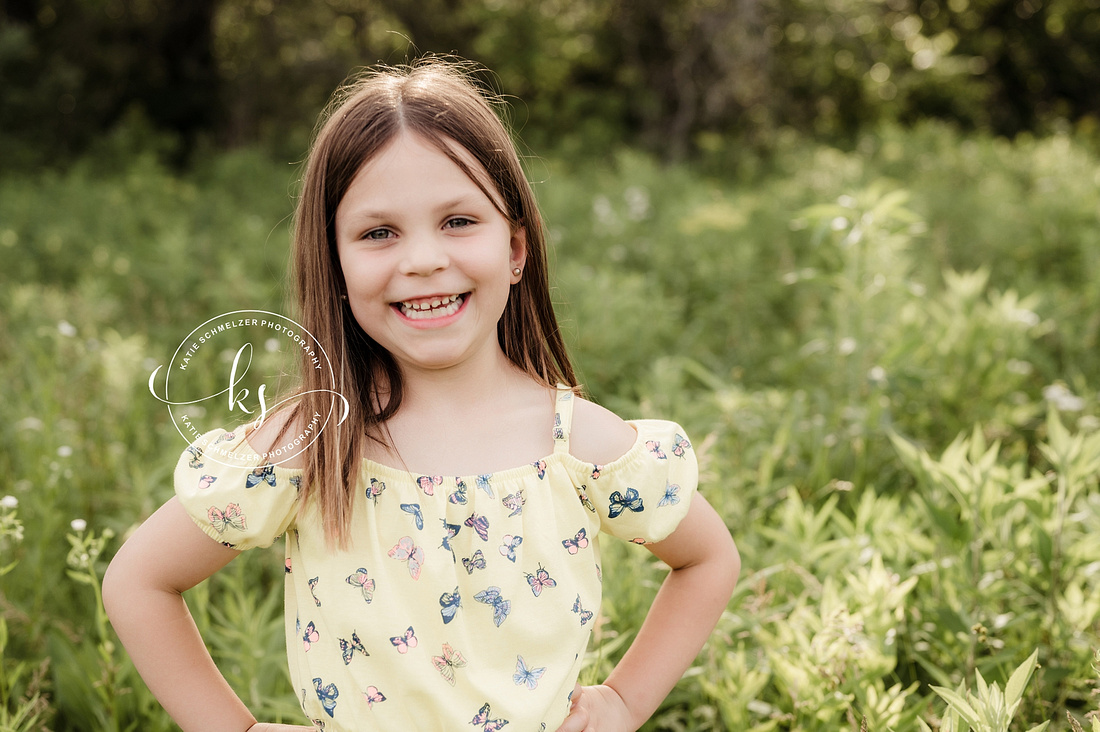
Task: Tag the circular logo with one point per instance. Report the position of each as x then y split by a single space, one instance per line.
230 371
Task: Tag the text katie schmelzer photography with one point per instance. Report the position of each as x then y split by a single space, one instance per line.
224 345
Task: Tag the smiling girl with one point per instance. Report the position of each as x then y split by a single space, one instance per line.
442 553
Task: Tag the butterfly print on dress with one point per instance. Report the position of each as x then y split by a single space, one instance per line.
231 517
477 561
480 524
619 503
327 694
508 546
540 580
428 483
262 474
487 725
414 510
448 662
670 497
578 542
348 648
527 676
405 641
365 584
449 603
407 551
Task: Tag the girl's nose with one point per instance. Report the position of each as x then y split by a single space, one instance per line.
424 254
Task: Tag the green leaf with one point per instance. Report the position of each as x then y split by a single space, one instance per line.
1014 690
959 705
81 577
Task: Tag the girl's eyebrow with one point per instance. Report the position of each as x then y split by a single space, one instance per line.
371 214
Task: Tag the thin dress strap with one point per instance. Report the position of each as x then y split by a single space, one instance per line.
563 419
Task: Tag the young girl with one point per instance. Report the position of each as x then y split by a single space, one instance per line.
442 563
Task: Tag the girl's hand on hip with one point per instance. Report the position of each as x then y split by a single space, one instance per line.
597 709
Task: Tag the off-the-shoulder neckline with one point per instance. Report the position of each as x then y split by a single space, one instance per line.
374 467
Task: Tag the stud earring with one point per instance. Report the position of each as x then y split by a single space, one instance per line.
344 298
517 271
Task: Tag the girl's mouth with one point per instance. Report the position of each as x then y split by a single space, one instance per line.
436 307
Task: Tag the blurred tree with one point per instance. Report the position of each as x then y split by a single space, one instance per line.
677 76
71 69
1040 58
693 65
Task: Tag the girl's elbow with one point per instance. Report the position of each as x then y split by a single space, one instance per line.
114 590
123 583
734 567
729 560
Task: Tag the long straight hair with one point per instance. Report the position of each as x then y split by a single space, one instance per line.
438 101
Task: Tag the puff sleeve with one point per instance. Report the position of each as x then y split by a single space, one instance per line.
233 493
643 495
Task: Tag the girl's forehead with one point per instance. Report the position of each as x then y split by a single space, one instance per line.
408 148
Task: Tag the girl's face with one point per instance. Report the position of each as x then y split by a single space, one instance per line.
427 258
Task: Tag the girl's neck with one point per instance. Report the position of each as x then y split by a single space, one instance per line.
472 384
462 423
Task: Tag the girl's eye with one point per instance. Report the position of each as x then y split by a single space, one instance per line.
378 234
459 222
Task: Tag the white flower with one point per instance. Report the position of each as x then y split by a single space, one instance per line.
29 423
1063 399
9 502
78 524
66 328
1026 317
64 451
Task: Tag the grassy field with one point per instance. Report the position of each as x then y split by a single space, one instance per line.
887 357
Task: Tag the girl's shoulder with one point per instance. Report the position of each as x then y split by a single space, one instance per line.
638 477
279 431
598 435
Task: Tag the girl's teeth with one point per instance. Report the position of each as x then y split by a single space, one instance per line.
434 309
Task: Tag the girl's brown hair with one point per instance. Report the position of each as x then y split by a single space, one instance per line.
436 100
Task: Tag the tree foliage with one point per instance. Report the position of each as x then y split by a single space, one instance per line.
677 76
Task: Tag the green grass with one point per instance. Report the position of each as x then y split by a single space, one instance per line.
887 359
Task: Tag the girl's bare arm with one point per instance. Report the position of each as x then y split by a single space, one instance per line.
142 592
704 569
705 566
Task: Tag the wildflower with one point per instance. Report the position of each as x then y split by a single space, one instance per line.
66 328
29 423
1063 399
637 203
1027 317
9 502
64 451
78 524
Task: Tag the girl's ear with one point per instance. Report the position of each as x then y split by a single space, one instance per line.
518 246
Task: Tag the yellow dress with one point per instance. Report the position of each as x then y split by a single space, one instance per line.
459 600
